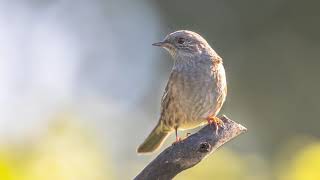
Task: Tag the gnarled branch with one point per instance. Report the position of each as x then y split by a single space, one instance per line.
190 151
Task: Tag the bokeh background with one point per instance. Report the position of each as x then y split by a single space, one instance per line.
81 86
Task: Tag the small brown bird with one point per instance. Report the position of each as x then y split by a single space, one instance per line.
196 89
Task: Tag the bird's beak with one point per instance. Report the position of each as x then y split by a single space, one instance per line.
160 44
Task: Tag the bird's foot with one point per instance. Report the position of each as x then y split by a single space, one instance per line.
218 123
178 139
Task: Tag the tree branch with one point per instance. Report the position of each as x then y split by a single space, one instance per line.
190 151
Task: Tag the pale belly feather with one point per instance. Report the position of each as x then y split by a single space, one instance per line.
201 97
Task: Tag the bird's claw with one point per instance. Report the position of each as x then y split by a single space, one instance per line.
218 123
178 139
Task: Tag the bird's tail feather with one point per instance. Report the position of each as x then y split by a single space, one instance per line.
154 140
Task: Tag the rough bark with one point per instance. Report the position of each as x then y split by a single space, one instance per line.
190 151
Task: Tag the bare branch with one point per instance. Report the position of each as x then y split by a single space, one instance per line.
190 151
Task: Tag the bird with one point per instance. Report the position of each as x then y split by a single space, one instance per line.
195 91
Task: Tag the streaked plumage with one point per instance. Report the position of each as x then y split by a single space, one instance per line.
196 88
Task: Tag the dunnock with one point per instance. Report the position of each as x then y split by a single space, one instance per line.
196 89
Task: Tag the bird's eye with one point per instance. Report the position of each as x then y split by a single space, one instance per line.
181 40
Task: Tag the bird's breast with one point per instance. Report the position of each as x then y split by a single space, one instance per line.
197 91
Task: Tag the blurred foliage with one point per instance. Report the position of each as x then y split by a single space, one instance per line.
66 152
300 160
6 169
69 152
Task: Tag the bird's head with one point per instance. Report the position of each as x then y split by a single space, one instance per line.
184 43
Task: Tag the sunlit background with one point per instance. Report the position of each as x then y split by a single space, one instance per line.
81 86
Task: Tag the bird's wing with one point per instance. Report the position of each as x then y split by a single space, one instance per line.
167 100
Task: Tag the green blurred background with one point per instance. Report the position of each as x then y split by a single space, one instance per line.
81 86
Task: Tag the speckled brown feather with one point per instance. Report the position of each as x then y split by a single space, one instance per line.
189 99
196 88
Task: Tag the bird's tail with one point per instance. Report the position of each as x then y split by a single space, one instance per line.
154 140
